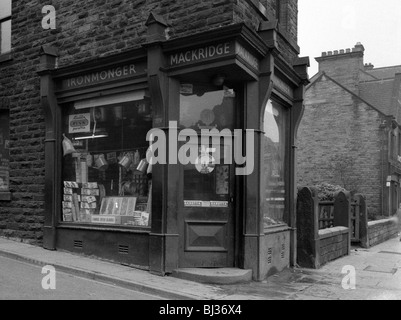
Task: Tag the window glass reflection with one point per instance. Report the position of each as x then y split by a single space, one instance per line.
274 156
204 107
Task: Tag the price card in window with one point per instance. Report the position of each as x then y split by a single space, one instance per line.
79 123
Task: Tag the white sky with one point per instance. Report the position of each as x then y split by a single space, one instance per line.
328 25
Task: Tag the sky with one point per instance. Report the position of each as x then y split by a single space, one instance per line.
328 25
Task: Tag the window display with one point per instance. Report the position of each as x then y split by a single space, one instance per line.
274 159
106 178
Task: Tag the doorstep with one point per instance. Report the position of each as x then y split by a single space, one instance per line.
220 276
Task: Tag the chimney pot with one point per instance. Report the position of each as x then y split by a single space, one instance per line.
358 47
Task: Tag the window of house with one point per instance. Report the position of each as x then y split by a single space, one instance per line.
106 178
4 153
274 163
5 26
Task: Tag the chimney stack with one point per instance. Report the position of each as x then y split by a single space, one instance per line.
369 66
343 65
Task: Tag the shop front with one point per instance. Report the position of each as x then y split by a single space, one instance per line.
179 154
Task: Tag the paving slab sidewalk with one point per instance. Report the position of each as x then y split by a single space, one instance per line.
378 276
103 271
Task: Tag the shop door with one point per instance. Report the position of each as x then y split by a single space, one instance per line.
207 233
207 210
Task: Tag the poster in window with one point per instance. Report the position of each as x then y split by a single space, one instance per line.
222 180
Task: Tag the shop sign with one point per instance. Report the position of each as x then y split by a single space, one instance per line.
247 56
201 54
213 52
120 72
205 204
283 87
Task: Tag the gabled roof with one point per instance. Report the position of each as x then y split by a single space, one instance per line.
320 75
384 73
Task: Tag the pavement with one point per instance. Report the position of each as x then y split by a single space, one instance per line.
376 270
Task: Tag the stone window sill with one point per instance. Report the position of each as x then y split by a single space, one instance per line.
4 57
5 196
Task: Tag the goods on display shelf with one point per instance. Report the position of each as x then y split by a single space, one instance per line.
123 211
139 219
80 201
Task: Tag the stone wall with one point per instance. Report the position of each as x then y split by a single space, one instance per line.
382 230
333 244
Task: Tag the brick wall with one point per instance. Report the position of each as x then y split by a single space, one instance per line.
334 244
336 125
85 30
382 230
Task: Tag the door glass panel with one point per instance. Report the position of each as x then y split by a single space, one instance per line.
207 179
207 183
204 107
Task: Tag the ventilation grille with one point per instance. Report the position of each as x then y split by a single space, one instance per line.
283 251
270 256
123 249
78 244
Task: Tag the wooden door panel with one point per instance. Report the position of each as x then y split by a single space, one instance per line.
206 236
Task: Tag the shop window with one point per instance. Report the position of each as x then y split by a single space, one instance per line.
274 163
4 154
5 26
106 178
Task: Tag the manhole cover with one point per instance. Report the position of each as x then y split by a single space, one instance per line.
381 270
390 252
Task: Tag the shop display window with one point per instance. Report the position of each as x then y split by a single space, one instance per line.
106 178
274 160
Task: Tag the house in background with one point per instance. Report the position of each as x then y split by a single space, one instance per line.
350 132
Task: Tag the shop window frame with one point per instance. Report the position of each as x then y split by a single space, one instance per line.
287 161
6 55
93 226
